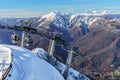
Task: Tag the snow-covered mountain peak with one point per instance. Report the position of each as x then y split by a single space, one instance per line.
57 19
105 12
50 17
87 13
75 20
74 16
96 13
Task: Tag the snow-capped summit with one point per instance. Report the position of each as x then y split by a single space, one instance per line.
96 13
50 17
57 19
87 13
105 12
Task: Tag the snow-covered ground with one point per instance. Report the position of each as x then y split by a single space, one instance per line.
72 74
33 65
27 66
5 59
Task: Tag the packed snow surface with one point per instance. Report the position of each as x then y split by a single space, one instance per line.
27 66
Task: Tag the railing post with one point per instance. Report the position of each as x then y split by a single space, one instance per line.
68 63
51 50
22 41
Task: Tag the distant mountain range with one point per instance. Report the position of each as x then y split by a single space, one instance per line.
96 35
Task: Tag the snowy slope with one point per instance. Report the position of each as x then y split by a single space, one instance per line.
5 59
72 74
27 66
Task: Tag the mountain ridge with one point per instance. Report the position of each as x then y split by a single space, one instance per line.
96 37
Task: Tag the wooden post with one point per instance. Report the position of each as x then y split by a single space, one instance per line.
51 50
68 64
23 37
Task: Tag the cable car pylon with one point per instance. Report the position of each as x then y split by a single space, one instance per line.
68 63
51 50
22 24
22 40
51 47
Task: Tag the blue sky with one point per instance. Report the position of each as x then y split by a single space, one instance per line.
30 8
